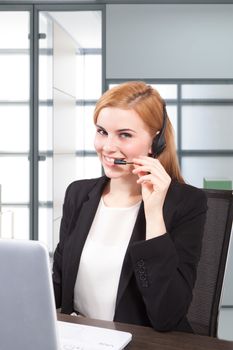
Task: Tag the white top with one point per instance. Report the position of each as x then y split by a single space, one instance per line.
101 261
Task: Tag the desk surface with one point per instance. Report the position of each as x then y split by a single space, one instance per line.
146 338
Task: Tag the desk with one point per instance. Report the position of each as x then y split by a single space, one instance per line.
145 338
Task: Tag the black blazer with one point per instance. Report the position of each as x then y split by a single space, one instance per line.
158 275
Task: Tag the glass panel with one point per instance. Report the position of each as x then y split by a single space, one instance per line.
207 127
88 167
89 128
84 25
112 85
46 227
172 113
45 176
56 226
14 73
205 91
46 27
85 128
15 36
80 76
167 91
225 318
93 76
80 130
45 128
227 292
194 169
14 128
15 222
6 223
46 69
64 167
14 178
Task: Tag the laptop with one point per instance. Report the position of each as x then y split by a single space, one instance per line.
28 318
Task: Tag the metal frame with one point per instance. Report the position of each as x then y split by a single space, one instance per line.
110 2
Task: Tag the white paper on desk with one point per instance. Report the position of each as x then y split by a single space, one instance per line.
82 337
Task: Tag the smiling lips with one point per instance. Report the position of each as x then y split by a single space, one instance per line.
109 160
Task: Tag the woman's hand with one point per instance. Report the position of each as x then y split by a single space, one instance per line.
155 182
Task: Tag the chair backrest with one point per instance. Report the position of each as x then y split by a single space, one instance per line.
203 312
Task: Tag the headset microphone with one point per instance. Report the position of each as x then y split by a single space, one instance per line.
122 162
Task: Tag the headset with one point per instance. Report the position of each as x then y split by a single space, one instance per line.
159 143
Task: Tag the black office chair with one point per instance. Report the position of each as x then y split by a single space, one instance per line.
203 312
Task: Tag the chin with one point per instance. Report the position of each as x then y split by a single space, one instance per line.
115 174
112 174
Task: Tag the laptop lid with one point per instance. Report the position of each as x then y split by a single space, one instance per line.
28 317
27 307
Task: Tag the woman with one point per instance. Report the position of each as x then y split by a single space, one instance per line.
130 241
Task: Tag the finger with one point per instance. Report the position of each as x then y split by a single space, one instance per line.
156 171
142 168
148 161
145 178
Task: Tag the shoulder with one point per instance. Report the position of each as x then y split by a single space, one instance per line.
81 188
187 197
185 191
84 184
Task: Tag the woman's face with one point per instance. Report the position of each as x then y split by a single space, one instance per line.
120 134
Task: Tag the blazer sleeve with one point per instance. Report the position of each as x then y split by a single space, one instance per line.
57 259
165 266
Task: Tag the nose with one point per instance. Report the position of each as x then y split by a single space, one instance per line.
110 144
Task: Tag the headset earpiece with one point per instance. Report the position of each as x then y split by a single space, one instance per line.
159 143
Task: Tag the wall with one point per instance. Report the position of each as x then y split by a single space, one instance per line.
169 41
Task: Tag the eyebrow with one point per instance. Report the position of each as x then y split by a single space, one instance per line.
98 126
119 130
124 130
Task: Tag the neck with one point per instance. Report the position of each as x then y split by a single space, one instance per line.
122 192
125 186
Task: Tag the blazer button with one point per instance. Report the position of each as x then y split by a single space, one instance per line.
145 284
142 277
140 263
141 269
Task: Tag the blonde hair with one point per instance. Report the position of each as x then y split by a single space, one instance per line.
149 105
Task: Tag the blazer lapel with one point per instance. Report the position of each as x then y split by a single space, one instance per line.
138 234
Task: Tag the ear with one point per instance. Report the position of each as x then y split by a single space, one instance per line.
151 152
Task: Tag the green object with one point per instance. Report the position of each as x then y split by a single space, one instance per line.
217 184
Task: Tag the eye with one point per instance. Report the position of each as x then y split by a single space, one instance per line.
101 131
125 135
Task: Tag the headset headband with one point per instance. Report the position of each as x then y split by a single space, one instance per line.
159 142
